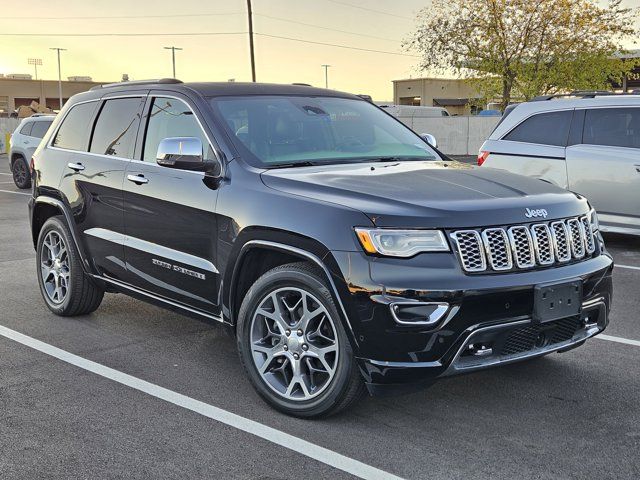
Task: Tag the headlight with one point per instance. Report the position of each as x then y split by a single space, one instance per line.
593 220
401 243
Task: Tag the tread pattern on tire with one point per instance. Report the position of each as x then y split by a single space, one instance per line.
86 296
354 388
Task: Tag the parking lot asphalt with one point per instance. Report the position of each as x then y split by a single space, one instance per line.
573 415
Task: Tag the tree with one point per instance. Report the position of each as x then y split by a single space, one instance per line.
525 47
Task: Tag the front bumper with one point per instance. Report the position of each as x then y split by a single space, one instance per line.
493 310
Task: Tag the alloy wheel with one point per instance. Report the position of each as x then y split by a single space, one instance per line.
19 172
54 267
294 343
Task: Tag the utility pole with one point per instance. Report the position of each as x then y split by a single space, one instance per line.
326 75
59 73
173 57
35 62
251 52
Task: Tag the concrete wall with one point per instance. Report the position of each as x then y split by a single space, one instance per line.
455 135
404 91
7 126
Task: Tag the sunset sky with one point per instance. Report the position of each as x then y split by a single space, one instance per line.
367 24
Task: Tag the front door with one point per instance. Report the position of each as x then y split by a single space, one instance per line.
170 223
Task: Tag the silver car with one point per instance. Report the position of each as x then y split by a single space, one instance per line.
24 141
587 144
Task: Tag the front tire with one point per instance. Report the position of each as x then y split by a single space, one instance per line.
65 288
21 174
293 346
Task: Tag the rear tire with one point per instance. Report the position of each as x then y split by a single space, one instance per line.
65 288
297 355
21 174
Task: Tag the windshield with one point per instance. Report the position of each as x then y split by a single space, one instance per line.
272 131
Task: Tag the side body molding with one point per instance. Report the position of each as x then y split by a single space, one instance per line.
304 254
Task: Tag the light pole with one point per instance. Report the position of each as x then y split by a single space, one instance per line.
173 57
35 62
326 75
251 51
59 73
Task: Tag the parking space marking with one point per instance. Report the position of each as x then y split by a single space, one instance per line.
9 174
628 266
625 341
17 193
291 442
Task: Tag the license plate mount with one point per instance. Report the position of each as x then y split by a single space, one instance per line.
553 301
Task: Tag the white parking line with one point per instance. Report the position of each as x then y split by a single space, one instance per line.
17 193
10 174
316 452
630 267
626 341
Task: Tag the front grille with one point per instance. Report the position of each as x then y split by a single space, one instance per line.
527 338
524 246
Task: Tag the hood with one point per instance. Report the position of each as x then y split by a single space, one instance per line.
429 194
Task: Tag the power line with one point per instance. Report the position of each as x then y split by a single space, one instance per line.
125 16
336 45
325 28
369 9
163 34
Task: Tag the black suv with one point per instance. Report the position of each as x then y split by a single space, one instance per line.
343 250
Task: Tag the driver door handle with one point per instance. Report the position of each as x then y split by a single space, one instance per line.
78 167
138 179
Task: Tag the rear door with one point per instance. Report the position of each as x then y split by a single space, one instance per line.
605 165
535 147
170 219
94 173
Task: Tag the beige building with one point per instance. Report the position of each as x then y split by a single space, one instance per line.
17 92
451 93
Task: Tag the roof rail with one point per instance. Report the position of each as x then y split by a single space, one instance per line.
138 82
582 94
301 84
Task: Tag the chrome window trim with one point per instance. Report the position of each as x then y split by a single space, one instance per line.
152 248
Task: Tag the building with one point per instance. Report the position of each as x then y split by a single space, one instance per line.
454 94
15 92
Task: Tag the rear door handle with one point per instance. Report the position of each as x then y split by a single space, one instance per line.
137 179
78 167
637 168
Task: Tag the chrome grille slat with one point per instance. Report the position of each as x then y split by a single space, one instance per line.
496 246
470 250
520 247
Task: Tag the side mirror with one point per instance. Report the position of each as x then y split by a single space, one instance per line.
181 152
430 139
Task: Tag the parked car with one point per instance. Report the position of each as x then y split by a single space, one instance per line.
344 252
589 144
24 141
414 111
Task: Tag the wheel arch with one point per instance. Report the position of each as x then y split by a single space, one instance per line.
45 207
263 254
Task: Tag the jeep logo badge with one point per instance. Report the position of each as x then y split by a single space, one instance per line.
541 212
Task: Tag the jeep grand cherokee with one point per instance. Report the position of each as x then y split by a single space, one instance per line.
345 253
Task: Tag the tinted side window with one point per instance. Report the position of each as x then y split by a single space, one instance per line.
116 128
73 134
614 127
39 129
26 130
170 117
544 129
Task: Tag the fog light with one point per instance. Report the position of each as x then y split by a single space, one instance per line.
418 313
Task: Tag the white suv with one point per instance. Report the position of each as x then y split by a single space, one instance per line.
24 141
589 144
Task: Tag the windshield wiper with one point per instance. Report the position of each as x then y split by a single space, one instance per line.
306 163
